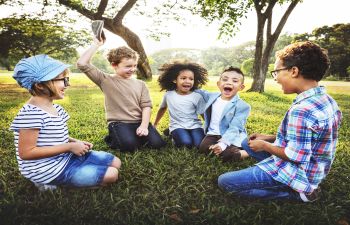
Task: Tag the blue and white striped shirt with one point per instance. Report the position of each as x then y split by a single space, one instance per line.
53 130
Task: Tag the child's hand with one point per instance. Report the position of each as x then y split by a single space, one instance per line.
79 148
98 42
257 145
90 145
216 149
142 131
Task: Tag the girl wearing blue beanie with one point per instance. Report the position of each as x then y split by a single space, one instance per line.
45 152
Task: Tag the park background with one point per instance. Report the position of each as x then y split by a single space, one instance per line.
171 186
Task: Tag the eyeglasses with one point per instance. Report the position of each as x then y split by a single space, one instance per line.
275 72
65 81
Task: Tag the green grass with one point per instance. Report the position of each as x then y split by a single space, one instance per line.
171 186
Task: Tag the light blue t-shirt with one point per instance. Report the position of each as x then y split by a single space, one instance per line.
183 109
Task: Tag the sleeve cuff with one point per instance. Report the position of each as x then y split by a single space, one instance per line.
222 145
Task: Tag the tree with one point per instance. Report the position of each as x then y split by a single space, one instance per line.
231 11
336 39
113 12
114 25
24 37
247 67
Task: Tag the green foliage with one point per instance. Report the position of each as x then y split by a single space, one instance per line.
229 12
247 67
23 37
282 41
169 186
336 39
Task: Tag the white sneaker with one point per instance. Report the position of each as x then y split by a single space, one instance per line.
45 187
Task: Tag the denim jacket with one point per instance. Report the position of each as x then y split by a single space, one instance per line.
233 118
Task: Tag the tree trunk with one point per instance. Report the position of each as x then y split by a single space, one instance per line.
116 26
261 61
134 42
258 77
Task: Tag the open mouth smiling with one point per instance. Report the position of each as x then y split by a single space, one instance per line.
228 89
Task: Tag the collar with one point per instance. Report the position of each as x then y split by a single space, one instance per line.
232 100
319 90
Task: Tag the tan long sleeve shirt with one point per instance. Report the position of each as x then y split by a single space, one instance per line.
124 98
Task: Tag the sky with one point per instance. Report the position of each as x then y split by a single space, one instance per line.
307 16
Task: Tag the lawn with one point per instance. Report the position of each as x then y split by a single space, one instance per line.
169 186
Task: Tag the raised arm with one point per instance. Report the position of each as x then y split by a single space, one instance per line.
87 55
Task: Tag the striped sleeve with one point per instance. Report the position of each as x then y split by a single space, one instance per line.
28 119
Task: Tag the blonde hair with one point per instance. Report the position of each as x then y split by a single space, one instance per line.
115 56
47 88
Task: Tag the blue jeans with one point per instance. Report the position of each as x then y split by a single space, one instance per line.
253 182
123 136
188 137
85 171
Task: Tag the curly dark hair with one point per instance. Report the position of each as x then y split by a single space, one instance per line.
170 71
311 60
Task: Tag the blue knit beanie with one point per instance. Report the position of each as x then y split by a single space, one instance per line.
37 69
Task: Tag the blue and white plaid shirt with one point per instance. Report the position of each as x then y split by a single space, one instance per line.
308 134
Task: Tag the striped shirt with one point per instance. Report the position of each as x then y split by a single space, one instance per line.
308 134
53 130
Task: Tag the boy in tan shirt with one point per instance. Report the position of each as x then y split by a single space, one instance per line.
127 101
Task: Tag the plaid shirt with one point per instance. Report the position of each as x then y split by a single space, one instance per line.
308 134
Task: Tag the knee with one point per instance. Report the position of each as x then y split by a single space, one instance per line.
116 163
222 181
111 175
225 182
245 145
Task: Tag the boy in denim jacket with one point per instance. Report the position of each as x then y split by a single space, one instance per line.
225 117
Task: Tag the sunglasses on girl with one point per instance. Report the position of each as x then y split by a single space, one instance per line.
65 81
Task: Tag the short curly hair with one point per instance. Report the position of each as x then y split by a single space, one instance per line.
170 71
115 56
311 60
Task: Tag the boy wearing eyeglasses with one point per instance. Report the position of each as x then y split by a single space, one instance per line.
293 163
45 152
225 117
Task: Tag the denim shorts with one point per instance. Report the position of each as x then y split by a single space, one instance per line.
85 171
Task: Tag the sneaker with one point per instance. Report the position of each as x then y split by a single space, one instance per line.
313 196
166 132
45 187
232 153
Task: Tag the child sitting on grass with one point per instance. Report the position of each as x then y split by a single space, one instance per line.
302 152
127 101
46 154
225 117
179 79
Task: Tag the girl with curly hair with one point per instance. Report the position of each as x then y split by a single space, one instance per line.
180 79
